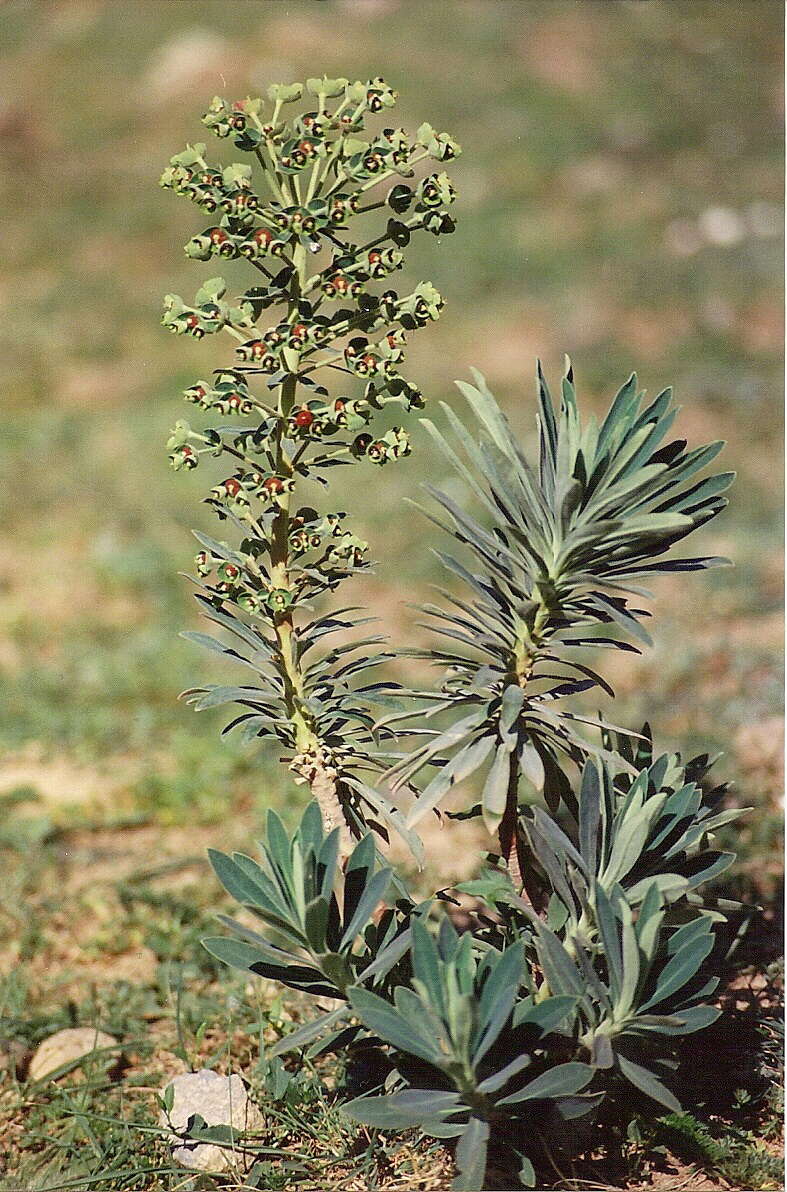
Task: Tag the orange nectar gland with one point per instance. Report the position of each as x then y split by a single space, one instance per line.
273 485
304 418
217 236
232 486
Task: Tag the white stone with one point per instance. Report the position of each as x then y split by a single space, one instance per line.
721 226
65 1046
219 1101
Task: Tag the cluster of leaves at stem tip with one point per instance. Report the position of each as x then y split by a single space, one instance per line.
591 948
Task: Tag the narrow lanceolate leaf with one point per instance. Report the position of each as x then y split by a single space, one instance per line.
651 916
680 969
272 963
493 796
495 1082
309 1032
589 815
470 1156
465 763
373 894
392 1027
560 1081
427 967
633 974
643 1079
560 971
387 957
497 1002
401 1111
316 923
241 885
548 1015
609 931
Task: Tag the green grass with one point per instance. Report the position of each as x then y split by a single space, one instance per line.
589 132
98 1127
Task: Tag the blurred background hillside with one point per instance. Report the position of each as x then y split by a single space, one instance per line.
620 195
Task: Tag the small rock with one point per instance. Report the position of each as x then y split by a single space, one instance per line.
64 1047
721 226
219 1101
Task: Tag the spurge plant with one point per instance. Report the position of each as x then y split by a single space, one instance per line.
586 960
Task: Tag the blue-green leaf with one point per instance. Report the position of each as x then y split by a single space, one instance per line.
560 1081
471 1156
680 969
393 1027
400 1111
646 1082
375 892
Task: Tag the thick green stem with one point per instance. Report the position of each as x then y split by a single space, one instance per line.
319 773
526 651
280 551
508 833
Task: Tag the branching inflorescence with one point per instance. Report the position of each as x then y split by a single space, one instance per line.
319 351
588 959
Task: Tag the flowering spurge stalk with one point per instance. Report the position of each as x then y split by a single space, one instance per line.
320 343
577 985
559 549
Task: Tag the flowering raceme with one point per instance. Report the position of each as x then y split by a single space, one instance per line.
318 373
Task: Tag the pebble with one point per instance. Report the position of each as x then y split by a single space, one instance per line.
66 1046
219 1101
